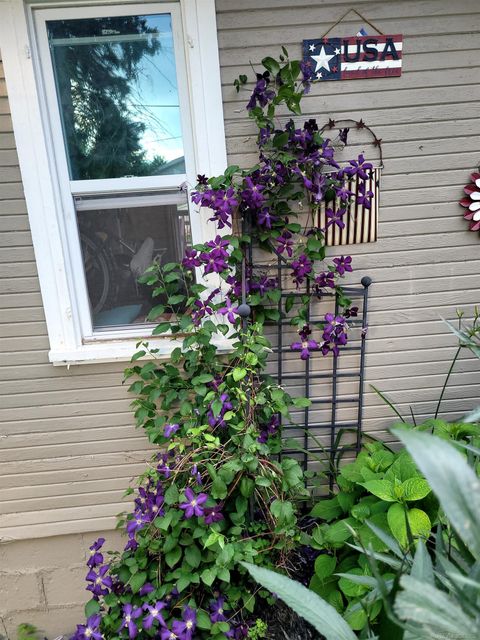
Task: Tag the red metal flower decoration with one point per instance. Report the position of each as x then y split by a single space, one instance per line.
472 202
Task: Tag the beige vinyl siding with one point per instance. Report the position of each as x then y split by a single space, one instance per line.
68 447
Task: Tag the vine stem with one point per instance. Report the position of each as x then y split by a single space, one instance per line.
446 380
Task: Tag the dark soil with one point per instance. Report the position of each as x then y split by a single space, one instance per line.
284 624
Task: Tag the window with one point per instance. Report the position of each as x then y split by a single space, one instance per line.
126 110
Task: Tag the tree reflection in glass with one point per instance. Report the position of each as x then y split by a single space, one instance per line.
117 92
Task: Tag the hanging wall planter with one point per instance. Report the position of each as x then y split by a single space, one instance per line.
361 219
472 202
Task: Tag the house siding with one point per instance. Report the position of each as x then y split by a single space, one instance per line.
68 447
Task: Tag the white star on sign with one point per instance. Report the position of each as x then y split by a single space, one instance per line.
312 47
323 60
319 75
337 52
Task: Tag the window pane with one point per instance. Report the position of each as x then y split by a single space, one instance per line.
118 97
120 237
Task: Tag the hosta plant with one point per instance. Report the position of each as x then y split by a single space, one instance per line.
382 498
436 590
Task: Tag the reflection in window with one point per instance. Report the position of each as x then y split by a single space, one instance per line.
118 97
120 237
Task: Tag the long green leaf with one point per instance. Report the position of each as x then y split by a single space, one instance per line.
452 480
433 610
306 603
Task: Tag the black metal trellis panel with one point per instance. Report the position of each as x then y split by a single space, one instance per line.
330 434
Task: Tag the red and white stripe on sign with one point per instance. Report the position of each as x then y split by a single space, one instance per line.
370 57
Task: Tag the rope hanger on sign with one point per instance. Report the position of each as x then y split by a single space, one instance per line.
352 10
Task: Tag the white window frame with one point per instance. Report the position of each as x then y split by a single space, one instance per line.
51 214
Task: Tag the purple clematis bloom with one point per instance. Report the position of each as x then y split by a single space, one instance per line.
191 259
325 280
365 197
96 557
301 267
101 583
90 630
252 194
136 523
335 217
193 504
306 345
170 429
285 243
261 93
358 167
154 614
217 608
265 217
351 313
185 628
146 589
166 634
343 264
213 514
229 311
130 614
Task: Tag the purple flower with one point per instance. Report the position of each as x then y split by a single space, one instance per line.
193 504
229 311
270 429
252 194
325 280
217 420
365 197
96 557
334 334
90 630
285 244
184 628
101 583
191 259
358 167
307 71
154 615
146 589
202 179
343 193
335 217
214 261
265 218
170 429
300 268
306 345
351 313
130 614
217 608
166 634
136 523
261 93
343 264
213 514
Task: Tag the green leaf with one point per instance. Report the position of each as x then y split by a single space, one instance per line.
219 489
325 566
239 373
91 608
326 509
173 556
208 576
321 615
454 483
415 489
271 65
137 581
302 402
418 520
280 140
383 489
203 619
193 555
353 589
436 613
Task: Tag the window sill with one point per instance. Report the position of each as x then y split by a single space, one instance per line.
120 351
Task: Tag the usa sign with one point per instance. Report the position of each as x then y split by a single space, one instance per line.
355 57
